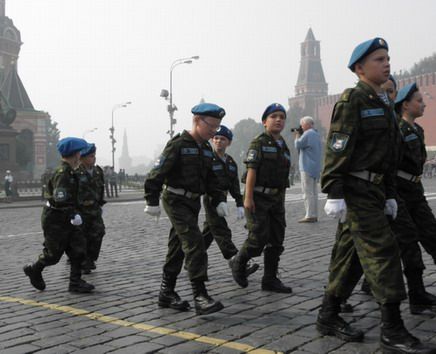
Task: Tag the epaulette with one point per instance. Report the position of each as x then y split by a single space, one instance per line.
98 168
345 97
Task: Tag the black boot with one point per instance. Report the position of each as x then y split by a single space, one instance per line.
204 304
419 299
330 323
270 282
250 268
346 307
34 272
239 269
77 284
395 338
168 297
365 287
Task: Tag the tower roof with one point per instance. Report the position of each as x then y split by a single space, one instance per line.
309 35
14 91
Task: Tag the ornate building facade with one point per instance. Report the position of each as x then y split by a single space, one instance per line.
30 124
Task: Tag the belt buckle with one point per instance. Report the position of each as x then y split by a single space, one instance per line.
417 179
378 178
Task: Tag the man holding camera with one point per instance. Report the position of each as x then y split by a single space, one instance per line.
308 144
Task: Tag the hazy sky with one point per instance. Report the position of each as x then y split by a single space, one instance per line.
82 57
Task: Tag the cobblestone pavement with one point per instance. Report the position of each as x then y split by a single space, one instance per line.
122 316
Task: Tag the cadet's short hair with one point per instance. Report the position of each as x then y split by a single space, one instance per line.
307 120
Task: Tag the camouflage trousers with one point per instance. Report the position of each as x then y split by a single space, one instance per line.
365 243
61 237
406 233
215 228
185 242
421 218
93 229
266 226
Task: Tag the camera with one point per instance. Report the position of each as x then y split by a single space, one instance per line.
299 130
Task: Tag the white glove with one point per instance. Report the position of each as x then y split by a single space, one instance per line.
336 208
391 208
77 220
222 209
152 210
240 213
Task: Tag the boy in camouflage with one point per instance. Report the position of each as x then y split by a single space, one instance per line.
91 200
268 161
61 221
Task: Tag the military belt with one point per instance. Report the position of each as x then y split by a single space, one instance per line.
88 203
183 192
369 176
409 176
54 208
266 190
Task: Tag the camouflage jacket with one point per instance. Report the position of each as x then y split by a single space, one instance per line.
91 189
364 135
62 188
270 160
414 154
183 164
227 174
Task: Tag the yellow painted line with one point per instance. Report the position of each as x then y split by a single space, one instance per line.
139 326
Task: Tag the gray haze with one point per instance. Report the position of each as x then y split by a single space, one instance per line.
81 57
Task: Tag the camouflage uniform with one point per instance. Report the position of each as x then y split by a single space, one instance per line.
363 138
184 166
267 225
215 227
91 199
416 221
59 235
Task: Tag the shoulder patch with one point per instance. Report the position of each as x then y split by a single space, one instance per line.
159 162
251 155
339 142
60 194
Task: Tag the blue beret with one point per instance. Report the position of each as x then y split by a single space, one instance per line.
273 107
90 149
364 49
405 93
224 131
69 146
209 109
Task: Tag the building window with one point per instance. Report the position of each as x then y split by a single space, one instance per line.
4 152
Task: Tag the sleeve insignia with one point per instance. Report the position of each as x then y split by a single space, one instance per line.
338 142
251 155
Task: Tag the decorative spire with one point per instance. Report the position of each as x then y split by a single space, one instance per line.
125 160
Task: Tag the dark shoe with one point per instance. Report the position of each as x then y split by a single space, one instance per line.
34 272
395 338
80 286
422 301
399 340
250 268
365 287
239 271
346 307
92 265
168 298
204 304
335 325
308 220
275 285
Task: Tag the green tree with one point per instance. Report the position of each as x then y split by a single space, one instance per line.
424 66
243 132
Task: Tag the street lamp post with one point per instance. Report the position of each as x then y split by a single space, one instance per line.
112 130
164 93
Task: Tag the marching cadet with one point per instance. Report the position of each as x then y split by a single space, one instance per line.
184 172
268 161
61 220
91 200
215 227
415 221
359 172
